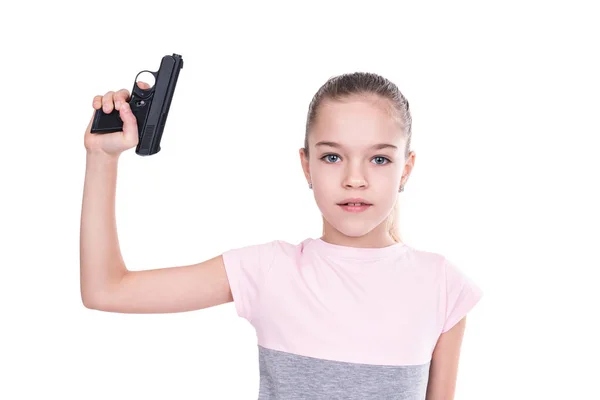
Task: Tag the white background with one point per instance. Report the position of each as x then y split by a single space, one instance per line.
505 103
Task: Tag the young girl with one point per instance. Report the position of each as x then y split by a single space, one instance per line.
354 314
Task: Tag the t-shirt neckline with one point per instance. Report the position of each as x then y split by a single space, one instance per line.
337 250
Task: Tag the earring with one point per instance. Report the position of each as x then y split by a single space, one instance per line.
401 188
310 185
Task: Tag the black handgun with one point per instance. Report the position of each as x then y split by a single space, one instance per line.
150 107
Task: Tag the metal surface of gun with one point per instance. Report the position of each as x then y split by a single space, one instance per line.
150 107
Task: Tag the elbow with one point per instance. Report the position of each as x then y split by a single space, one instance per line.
91 301
97 297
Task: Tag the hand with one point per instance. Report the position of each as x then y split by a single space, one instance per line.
114 143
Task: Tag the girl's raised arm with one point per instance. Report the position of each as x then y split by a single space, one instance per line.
106 283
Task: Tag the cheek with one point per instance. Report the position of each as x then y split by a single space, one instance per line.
386 180
327 174
318 166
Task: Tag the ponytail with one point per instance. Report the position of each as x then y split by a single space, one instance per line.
393 224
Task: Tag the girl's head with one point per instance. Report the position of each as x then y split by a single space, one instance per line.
357 145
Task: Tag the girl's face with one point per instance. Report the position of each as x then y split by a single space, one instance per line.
356 151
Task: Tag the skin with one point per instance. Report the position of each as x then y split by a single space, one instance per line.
355 169
443 370
113 145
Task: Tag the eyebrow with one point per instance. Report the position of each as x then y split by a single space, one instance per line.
339 146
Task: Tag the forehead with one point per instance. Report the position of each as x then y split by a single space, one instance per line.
356 123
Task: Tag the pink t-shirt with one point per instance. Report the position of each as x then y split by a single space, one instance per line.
343 322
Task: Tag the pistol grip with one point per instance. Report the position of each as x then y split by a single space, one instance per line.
106 123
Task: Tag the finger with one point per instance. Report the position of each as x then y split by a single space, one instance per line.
143 85
97 103
107 102
121 97
130 128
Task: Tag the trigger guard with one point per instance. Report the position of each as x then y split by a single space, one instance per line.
145 92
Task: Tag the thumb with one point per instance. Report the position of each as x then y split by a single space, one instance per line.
130 128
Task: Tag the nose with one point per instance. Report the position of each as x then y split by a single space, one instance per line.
355 183
354 177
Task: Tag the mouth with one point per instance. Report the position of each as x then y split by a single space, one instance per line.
354 201
355 206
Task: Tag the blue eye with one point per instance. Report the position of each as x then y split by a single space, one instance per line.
329 155
382 158
385 159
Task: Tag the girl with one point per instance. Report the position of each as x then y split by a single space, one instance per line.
354 314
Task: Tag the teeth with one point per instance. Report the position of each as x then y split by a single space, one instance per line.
355 204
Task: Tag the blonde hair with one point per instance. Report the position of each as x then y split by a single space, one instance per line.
365 84
392 224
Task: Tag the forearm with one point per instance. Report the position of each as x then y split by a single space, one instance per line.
101 262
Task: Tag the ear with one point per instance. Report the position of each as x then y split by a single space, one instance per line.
304 164
408 167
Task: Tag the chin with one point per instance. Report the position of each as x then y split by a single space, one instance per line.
352 225
355 228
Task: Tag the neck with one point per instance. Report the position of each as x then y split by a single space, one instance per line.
374 239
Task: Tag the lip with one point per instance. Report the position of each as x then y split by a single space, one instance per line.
355 209
354 200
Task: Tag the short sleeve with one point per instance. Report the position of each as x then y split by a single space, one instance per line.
246 269
462 294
